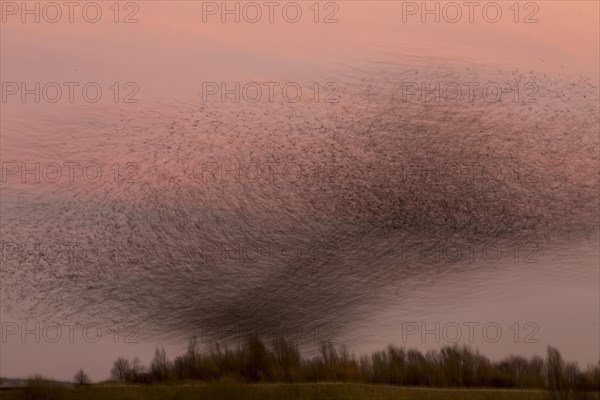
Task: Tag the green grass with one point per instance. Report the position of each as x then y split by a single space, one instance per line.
316 391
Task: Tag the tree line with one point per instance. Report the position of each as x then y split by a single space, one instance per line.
281 361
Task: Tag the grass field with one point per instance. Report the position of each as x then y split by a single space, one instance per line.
317 391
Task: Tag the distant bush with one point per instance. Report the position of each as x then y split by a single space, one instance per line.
40 388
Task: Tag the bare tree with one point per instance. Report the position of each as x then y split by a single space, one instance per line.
137 369
120 369
81 378
159 368
555 373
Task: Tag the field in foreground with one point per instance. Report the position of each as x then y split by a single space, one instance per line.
317 391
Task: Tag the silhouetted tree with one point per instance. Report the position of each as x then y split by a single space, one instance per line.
287 360
81 378
555 373
257 363
160 368
120 370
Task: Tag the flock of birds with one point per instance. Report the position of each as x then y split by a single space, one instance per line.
203 239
